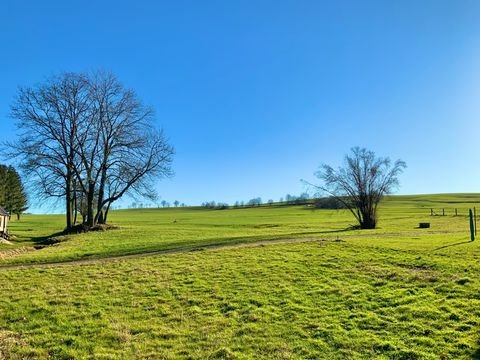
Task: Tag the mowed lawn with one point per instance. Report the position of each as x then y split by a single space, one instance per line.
397 292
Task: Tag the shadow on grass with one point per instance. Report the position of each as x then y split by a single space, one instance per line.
476 355
157 249
40 242
293 234
264 237
454 244
55 238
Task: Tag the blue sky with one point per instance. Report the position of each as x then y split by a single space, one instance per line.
254 95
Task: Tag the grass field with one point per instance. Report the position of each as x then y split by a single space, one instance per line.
290 283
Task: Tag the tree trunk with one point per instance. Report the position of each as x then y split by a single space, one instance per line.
90 211
369 221
101 195
75 207
101 217
68 200
105 215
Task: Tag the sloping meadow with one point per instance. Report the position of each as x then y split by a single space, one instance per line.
396 292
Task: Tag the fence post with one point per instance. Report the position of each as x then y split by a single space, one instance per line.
431 212
472 229
456 213
443 212
475 219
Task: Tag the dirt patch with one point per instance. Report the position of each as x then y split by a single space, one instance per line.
7 254
82 228
8 340
417 267
266 226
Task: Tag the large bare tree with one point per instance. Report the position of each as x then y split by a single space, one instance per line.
120 151
87 137
361 183
47 117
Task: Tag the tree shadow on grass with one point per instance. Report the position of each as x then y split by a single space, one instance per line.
268 237
47 240
325 231
40 242
454 244
172 247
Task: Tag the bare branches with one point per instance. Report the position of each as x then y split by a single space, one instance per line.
361 183
85 136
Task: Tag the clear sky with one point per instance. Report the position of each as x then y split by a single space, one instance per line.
254 95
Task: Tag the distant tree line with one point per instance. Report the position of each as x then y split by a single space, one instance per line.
329 202
215 205
302 199
163 203
86 139
13 197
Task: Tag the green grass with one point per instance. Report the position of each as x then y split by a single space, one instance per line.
149 230
396 292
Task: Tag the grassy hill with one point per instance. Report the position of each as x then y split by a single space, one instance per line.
289 283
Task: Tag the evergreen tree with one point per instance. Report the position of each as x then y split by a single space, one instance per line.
13 197
3 184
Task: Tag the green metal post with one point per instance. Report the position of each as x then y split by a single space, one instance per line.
472 226
475 218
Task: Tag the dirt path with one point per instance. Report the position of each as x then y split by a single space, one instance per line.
239 244
157 252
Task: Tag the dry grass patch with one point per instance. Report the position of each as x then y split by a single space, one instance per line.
10 253
8 341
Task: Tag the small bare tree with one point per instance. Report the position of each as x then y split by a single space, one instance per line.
361 183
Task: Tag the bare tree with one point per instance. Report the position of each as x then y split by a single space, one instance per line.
87 136
121 152
361 183
47 119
